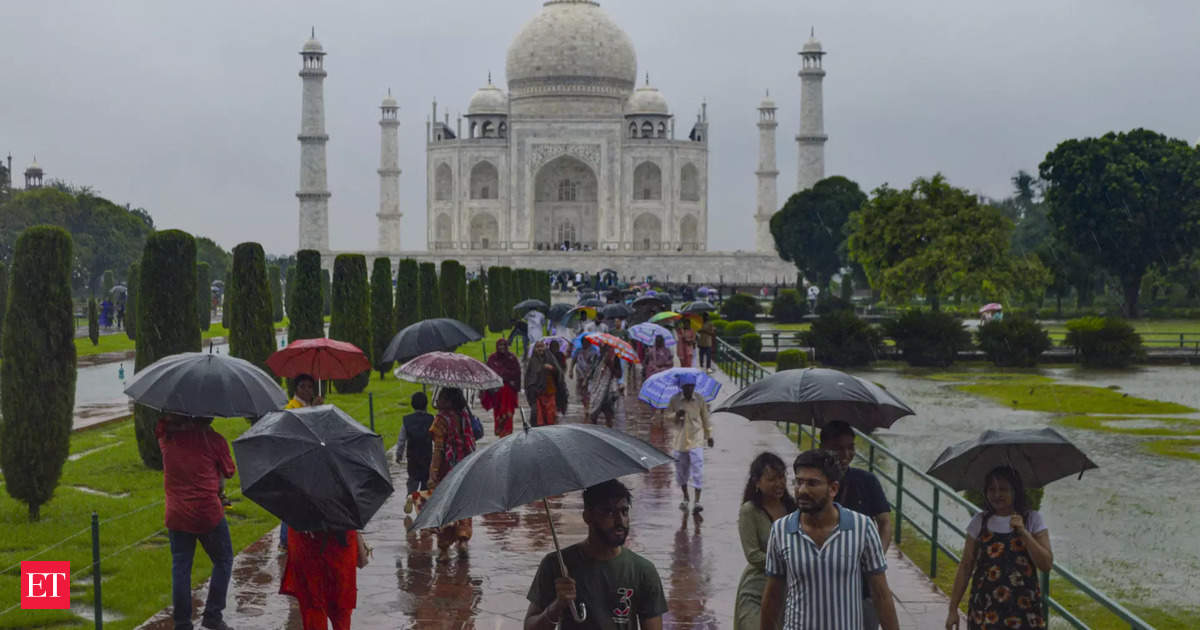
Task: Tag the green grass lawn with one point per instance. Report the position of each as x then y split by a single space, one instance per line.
135 556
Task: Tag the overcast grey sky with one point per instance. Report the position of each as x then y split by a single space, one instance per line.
191 110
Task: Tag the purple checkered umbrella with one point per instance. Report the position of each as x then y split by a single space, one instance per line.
658 390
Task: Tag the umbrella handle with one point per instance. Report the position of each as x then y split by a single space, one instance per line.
578 609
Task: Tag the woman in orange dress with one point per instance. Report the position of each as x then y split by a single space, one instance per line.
453 440
321 574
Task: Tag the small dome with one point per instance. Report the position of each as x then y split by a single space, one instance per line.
571 48
389 101
34 168
488 99
767 103
313 46
647 100
812 45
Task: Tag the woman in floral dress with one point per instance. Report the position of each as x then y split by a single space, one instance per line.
453 440
1006 545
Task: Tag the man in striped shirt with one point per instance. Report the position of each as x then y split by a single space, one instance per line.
817 555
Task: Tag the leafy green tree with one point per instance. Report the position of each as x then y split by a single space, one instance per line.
453 295
408 294
288 291
476 306
810 228
203 296
934 240
351 319
166 294
1125 201
382 317
3 296
220 262
251 332
131 300
273 283
431 299
37 378
107 283
93 322
305 321
497 300
326 293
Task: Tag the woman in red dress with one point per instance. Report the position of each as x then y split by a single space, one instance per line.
321 574
503 400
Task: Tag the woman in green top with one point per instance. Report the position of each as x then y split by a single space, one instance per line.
764 501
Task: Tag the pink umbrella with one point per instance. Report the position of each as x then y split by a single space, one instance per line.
449 369
988 308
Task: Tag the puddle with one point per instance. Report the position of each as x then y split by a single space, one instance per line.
77 456
101 493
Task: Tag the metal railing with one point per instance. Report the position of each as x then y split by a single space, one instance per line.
902 475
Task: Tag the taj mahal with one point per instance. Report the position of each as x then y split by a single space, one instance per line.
575 166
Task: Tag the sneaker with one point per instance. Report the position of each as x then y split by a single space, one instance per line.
683 505
215 625
697 509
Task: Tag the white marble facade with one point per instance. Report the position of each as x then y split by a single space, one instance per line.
572 155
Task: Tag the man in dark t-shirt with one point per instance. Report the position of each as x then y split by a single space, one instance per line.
860 491
619 589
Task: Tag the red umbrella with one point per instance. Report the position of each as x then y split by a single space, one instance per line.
320 358
449 369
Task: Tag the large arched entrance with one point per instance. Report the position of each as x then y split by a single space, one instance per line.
566 209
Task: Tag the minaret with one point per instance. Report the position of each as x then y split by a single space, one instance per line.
768 196
811 163
314 192
389 176
33 175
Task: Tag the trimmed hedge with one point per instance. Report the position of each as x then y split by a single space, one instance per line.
37 378
928 338
740 306
131 300
93 322
791 359
789 307
408 295
304 318
1105 342
203 296
476 306
251 331
735 330
498 311
431 299
289 288
166 319
1015 341
274 283
841 339
751 344
720 325
382 326
326 294
452 284
351 319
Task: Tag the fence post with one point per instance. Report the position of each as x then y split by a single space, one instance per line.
933 534
899 499
371 408
871 460
96 571
1046 597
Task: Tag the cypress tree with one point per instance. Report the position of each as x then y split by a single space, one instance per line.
305 320
431 300
226 302
408 294
496 300
203 296
109 281
288 289
544 283
326 294
351 319
476 306
37 379
381 312
93 322
251 333
4 297
167 318
273 283
448 280
131 305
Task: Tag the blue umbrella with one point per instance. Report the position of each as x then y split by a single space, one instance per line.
645 332
658 389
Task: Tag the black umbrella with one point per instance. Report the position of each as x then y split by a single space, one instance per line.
206 385
559 311
431 335
1038 455
316 468
592 302
699 306
616 311
652 300
816 396
529 305
534 464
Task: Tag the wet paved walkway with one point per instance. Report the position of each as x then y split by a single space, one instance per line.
699 559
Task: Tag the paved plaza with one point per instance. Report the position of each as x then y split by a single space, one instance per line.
699 559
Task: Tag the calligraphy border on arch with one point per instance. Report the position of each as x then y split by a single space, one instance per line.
544 152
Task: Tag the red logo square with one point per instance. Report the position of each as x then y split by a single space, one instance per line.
45 585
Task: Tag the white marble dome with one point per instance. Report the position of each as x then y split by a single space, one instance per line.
571 47
389 101
313 46
488 99
812 45
647 100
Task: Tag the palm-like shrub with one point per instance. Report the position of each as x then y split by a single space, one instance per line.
928 338
842 339
1015 341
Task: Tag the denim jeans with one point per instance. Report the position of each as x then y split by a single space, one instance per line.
219 548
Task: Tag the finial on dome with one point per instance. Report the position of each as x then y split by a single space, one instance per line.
489 77
812 31
647 79
768 92
389 91
313 34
